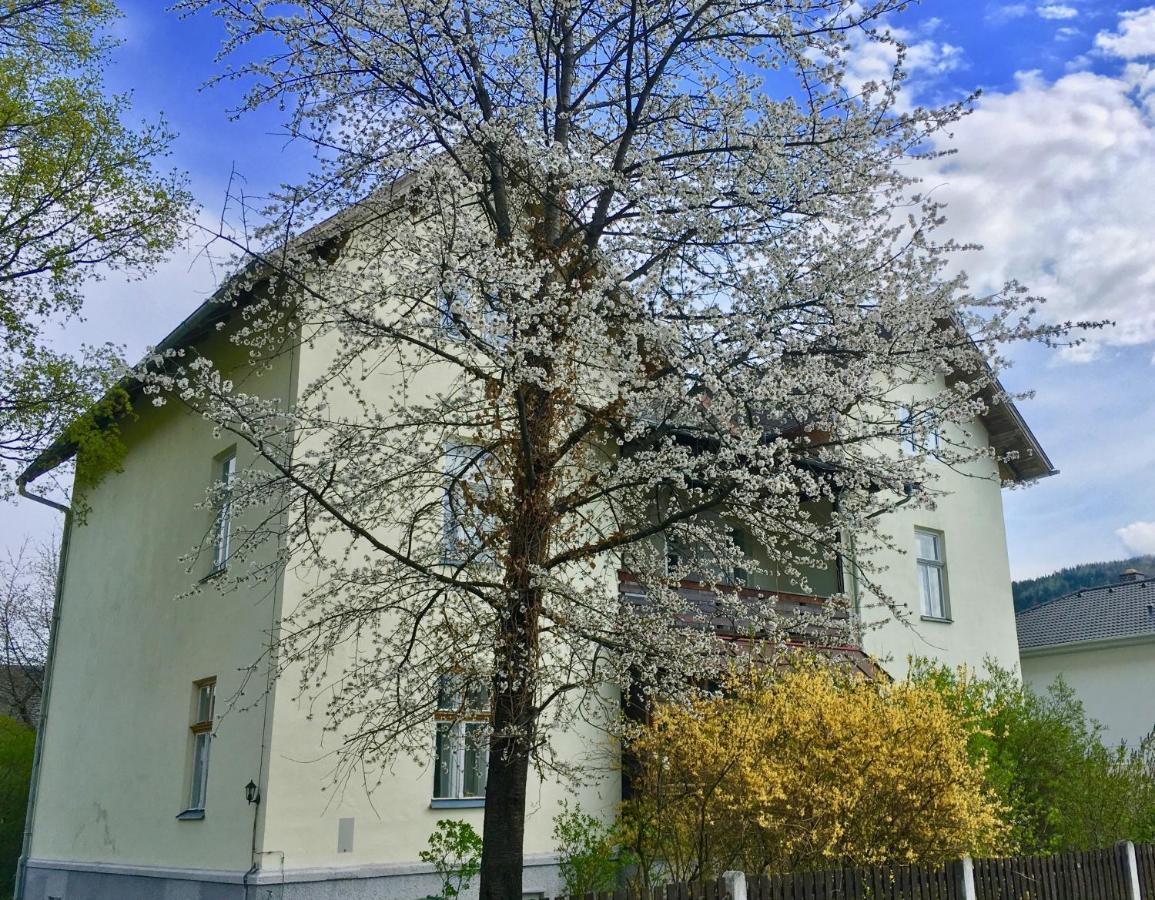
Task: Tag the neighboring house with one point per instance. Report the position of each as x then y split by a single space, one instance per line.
1101 641
160 729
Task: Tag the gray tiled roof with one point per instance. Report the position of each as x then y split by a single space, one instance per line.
1119 610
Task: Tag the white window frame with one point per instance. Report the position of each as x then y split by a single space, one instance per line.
457 543
457 720
448 323
929 568
201 740
226 471
909 423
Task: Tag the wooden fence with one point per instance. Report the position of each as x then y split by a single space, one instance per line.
1145 857
717 889
1091 875
874 883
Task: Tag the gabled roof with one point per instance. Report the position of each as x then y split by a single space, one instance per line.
1006 428
1117 611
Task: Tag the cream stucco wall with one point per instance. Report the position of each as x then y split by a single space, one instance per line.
393 819
1115 681
116 753
970 519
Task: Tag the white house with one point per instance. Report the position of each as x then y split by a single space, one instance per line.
172 765
1101 641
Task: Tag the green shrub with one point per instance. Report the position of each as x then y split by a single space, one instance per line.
1060 786
17 743
592 856
455 853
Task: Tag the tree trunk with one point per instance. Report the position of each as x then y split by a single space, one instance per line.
502 851
515 657
514 721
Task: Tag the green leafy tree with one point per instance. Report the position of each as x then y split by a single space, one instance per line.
1060 786
80 197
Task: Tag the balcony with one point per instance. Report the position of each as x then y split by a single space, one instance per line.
811 622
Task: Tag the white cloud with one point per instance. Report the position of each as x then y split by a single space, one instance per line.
926 60
1056 11
1138 537
1006 12
1052 178
1134 38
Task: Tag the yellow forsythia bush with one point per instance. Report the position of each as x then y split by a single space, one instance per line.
806 768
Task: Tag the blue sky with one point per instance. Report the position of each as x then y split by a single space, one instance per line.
1055 176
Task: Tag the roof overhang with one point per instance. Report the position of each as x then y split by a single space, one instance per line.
320 239
1022 456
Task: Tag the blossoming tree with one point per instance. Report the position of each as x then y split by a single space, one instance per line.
609 279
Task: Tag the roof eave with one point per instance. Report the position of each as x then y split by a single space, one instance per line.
1103 643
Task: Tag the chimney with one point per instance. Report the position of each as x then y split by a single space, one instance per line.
1131 575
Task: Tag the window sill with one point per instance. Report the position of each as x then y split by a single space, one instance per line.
191 815
944 621
457 803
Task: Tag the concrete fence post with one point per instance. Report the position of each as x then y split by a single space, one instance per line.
968 878
1127 854
735 884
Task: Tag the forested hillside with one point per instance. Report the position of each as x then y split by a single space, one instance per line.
1033 591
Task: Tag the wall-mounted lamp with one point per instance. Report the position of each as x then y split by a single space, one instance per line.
251 793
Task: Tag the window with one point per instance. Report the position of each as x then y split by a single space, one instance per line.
204 703
467 525
918 432
931 575
226 471
453 304
461 748
677 555
740 575
447 301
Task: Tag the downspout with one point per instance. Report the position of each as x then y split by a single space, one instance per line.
46 690
270 696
